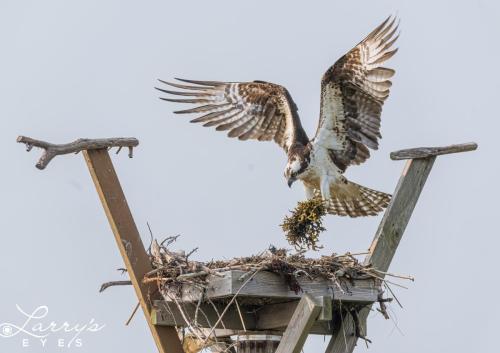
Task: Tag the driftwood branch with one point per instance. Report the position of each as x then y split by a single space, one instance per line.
423 152
51 150
106 285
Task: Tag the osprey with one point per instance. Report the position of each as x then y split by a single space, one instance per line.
353 91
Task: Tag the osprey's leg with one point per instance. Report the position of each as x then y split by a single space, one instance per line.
325 186
309 192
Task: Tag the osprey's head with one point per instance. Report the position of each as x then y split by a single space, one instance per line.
298 161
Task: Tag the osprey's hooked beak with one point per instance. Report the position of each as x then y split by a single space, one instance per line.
290 181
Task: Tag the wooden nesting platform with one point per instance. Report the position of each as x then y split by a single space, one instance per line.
265 304
265 301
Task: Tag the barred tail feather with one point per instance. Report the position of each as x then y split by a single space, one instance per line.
353 200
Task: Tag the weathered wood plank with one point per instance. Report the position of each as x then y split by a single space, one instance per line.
278 316
301 322
269 317
344 340
270 285
423 152
168 314
398 214
387 239
128 240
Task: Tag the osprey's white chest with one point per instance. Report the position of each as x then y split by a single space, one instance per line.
321 169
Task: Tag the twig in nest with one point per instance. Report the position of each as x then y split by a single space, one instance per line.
192 328
106 285
411 278
191 252
192 275
169 240
357 326
392 293
133 313
151 238
303 227
154 279
229 304
51 150
239 313
198 309
383 307
367 271
219 317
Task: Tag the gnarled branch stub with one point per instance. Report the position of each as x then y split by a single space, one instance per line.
51 150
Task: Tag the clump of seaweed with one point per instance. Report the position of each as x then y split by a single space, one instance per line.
303 227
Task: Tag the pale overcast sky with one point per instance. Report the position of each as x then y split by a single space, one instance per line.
74 69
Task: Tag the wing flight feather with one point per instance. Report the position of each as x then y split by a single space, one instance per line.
353 92
247 110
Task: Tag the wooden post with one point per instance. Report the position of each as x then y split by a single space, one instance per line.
386 241
129 242
397 215
301 322
305 314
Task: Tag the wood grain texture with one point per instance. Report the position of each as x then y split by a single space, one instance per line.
398 214
52 150
128 240
301 322
278 316
423 152
168 314
270 285
269 317
386 240
343 340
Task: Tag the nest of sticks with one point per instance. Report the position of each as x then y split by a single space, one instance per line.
174 269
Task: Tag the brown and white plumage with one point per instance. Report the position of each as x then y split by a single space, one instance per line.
247 110
353 92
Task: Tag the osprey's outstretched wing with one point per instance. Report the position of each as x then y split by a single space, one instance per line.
353 91
248 110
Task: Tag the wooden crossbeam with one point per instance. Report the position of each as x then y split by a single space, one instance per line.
269 317
169 314
279 316
272 286
423 152
129 242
